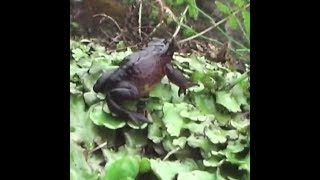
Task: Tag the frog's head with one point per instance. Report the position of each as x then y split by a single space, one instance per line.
162 47
100 85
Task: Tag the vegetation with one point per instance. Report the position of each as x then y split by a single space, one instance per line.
203 135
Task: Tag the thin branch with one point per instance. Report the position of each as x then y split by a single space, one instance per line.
140 12
179 25
211 27
154 30
170 153
106 16
98 147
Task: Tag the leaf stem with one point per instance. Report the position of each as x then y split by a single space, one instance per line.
170 153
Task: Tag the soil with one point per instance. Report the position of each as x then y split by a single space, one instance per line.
112 21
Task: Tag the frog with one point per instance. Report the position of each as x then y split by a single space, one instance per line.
137 75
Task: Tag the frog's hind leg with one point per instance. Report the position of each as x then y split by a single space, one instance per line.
124 91
114 107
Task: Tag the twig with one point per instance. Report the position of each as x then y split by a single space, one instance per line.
140 12
163 8
154 30
98 147
179 25
114 21
170 153
211 27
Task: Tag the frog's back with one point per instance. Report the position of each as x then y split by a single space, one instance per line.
144 68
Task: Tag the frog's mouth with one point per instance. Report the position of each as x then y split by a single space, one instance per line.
170 47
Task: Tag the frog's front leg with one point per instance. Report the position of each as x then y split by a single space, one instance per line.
124 91
100 85
177 78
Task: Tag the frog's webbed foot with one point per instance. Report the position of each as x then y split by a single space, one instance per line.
115 108
177 78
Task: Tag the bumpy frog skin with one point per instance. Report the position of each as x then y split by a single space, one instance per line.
138 75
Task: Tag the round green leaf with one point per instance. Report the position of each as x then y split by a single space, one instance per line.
144 165
90 98
196 174
124 168
100 118
134 125
172 119
225 99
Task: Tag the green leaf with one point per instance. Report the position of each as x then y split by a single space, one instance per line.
216 134
181 142
239 92
179 2
246 164
88 80
166 170
79 168
196 174
75 70
201 142
213 161
196 115
154 104
235 147
223 8
155 132
246 21
172 119
239 3
78 54
233 22
167 144
225 99
101 64
74 89
205 103
100 118
90 98
243 163
120 45
84 130
123 151
193 9
135 139
195 64
135 125
145 165
122 169
162 91
197 88
187 32
240 124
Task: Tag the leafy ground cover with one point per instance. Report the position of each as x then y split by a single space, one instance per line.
204 135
